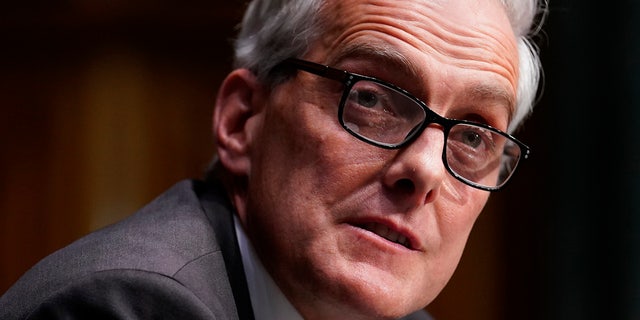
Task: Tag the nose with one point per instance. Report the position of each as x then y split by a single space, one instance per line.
417 171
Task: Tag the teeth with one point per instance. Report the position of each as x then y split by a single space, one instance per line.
403 241
382 231
387 233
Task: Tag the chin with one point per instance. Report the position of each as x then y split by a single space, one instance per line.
366 295
377 308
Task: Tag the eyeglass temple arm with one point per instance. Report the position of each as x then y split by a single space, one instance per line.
318 69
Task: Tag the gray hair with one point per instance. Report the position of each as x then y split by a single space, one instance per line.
274 30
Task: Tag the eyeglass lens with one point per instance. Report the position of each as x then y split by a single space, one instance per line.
386 116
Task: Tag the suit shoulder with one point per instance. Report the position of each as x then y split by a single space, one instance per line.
162 238
123 294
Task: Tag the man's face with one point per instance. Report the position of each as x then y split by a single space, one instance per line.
348 228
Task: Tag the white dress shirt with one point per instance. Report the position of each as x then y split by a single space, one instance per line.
268 302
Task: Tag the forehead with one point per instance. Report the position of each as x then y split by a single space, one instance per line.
458 21
463 32
413 35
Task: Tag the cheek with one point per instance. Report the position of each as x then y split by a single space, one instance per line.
303 163
464 202
458 209
304 147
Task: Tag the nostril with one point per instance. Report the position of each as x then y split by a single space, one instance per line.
406 186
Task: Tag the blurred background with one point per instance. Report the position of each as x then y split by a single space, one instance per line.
107 104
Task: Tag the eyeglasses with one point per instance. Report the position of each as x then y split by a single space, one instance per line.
389 117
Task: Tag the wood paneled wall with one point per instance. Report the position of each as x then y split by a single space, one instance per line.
103 107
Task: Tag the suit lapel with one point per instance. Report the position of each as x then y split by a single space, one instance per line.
218 210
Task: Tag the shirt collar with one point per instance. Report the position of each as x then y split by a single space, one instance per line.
267 300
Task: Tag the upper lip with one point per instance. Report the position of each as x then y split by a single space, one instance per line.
390 230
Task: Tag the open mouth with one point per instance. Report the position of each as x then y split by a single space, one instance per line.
387 233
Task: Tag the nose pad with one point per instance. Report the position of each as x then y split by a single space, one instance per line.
417 171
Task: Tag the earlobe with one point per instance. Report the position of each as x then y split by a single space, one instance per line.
234 121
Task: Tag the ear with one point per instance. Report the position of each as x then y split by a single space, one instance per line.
234 122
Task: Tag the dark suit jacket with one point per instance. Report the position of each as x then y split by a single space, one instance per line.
177 258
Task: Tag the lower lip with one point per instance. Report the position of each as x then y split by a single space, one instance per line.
377 241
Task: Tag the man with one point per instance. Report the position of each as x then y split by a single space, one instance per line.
357 142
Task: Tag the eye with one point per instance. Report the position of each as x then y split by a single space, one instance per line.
471 138
365 98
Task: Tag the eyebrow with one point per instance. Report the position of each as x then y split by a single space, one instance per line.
386 54
483 91
378 52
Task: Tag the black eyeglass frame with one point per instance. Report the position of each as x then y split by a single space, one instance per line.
349 79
